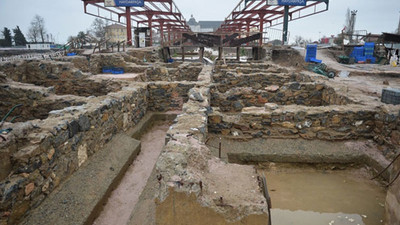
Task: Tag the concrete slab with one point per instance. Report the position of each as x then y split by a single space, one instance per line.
81 197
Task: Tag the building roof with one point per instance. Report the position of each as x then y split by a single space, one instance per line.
192 21
115 26
210 24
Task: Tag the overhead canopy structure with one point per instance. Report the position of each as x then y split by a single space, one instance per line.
160 14
391 38
258 14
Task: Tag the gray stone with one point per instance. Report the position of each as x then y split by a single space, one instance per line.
84 123
196 96
295 86
237 106
73 128
61 138
11 187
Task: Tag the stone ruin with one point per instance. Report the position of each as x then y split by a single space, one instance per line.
70 113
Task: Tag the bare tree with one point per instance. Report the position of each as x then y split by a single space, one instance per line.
37 30
99 28
299 40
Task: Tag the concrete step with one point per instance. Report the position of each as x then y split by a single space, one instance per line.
80 199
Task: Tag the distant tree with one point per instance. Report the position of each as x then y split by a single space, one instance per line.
7 41
37 30
82 38
99 28
298 40
19 37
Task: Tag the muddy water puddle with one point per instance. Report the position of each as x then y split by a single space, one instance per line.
309 196
123 199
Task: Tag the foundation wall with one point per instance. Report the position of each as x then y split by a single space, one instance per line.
37 164
165 96
324 123
308 94
35 71
188 175
185 72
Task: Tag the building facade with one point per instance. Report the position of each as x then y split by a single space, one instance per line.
203 26
116 33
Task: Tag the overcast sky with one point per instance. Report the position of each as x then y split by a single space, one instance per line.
65 17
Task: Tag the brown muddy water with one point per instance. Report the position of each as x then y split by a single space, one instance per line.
123 199
309 196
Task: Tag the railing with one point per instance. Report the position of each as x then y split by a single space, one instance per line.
37 56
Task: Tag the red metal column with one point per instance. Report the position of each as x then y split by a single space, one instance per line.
261 27
248 29
162 32
150 17
169 33
128 26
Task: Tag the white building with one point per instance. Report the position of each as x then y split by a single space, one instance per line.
39 46
203 26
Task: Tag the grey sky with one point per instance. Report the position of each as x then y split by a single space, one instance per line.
65 17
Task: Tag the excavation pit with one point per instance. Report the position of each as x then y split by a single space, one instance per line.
285 116
35 104
305 195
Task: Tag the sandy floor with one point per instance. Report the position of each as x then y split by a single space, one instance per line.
123 200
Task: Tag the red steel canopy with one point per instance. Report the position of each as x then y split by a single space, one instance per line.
161 14
255 13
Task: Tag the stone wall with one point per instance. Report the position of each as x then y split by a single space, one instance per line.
166 96
98 61
184 72
255 81
44 153
35 71
63 77
308 94
325 123
36 103
79 62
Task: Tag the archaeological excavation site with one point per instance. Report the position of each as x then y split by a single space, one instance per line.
185 127
189 143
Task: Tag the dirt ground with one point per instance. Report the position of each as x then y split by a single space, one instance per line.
369 79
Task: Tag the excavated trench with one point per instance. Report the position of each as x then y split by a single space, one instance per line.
316 172
126 195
